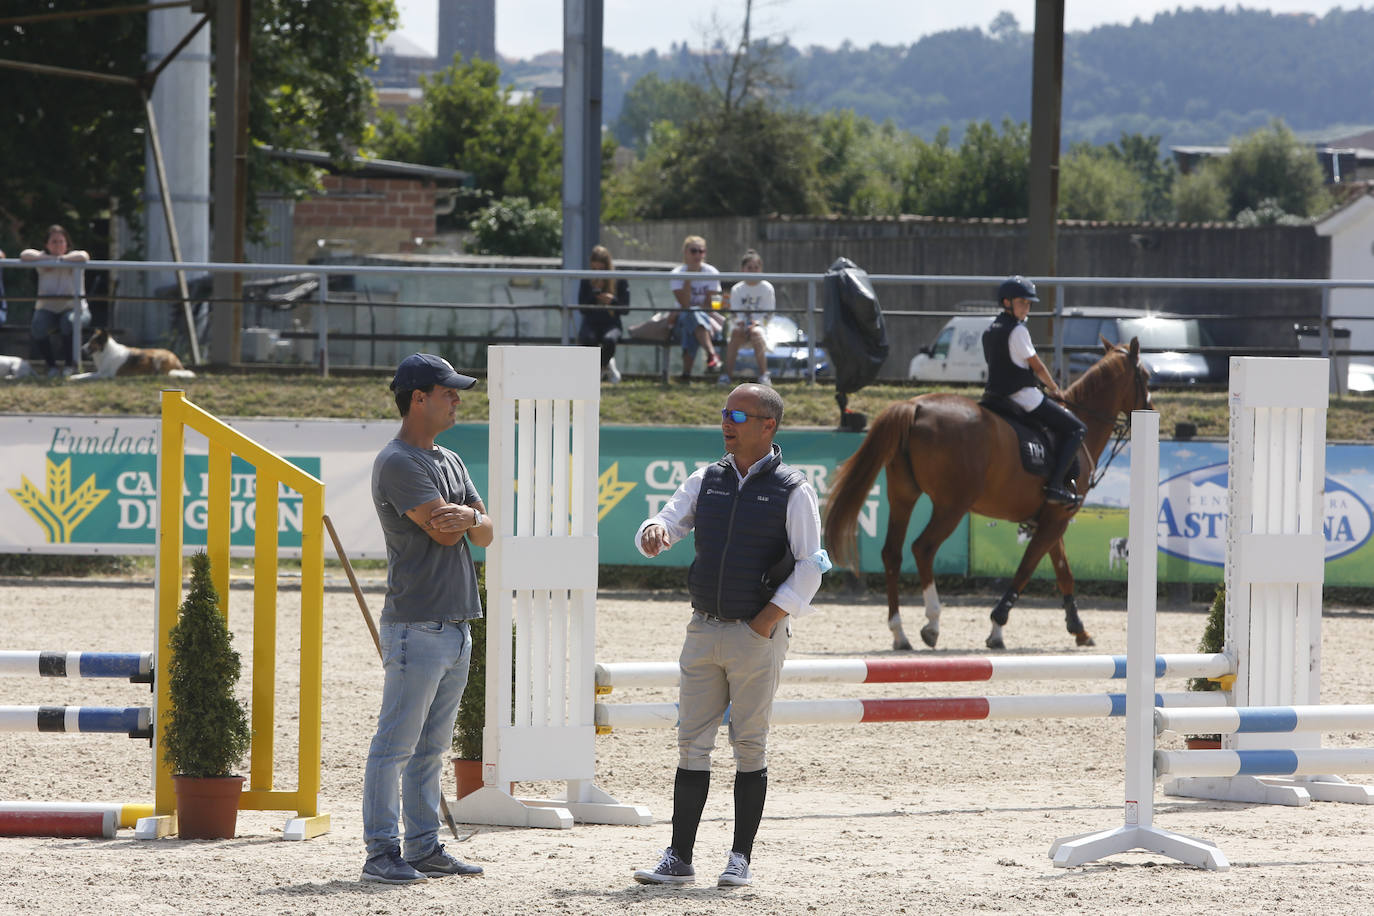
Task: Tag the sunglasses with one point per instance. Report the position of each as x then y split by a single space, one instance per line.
696 250
738 416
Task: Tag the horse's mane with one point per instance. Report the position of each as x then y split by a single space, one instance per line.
1101 375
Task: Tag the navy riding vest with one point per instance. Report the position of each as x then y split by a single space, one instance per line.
743 554
1004 376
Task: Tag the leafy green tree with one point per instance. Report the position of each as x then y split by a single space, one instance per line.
512 226
74 152
467 120
654 99
862 164
1156 174
987 176
1200 195
1273 165
1094 184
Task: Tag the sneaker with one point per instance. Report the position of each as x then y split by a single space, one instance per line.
669 870
54 372
390 868
736 872
612 373
765 379
713 362
441 862
723 380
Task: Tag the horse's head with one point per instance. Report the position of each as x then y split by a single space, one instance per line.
1132 376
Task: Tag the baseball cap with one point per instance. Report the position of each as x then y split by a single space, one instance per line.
420 370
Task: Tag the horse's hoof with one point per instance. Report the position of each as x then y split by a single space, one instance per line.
1083 639
995 642
901 645
929 636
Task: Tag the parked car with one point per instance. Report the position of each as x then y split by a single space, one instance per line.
956 355
786 350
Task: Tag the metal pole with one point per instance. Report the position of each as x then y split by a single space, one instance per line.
155 144
810 331
322 326
1061 368
78 295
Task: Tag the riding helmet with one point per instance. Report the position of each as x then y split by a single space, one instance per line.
1017 287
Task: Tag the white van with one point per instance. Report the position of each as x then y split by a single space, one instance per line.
956 356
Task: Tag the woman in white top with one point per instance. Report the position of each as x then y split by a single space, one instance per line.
58 294
694 324
751 303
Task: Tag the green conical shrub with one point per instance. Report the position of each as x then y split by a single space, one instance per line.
207 727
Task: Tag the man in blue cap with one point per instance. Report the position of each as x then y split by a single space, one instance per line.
429 511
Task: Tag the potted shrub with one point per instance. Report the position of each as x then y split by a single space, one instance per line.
207 730
472 714
1213 641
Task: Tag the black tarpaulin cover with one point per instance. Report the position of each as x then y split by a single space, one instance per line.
855 335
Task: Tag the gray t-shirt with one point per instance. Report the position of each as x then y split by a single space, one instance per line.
425 580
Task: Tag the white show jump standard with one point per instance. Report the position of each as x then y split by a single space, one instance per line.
1266 719
134 721
136 666
610 675
612 716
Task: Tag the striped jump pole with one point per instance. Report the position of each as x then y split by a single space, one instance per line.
134 721
611 716
1268 719
610 675
136 666
1272 762
58 823
126 814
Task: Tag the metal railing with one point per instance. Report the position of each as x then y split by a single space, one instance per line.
558 327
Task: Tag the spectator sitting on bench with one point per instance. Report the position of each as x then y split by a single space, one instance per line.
54 316
751 304
695 324
601 322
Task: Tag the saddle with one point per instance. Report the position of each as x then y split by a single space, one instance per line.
1038 443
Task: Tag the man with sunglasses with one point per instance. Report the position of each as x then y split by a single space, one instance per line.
758 564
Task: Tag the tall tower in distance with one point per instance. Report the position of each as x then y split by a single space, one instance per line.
466 27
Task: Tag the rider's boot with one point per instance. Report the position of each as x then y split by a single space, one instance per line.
1066 493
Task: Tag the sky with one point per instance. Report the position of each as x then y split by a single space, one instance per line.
525 28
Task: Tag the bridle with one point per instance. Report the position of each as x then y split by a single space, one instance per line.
1121 426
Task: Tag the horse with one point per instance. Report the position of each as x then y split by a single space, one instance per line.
966 458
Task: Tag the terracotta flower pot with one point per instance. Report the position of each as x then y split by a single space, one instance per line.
468 775
207 807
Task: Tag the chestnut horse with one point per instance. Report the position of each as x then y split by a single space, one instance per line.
967 459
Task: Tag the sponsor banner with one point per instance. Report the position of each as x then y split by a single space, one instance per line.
89 485
1191 527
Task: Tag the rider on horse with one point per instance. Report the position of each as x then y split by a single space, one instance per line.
1013 370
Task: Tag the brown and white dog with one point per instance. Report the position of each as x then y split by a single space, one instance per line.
113 359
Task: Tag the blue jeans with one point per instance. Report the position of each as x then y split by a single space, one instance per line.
426 670
52 334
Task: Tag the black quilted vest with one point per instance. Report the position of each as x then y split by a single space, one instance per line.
743 554
1004 376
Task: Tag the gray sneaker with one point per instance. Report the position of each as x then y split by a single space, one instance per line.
441 862
390 868
736 872
669 870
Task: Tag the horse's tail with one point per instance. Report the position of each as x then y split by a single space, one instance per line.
887 436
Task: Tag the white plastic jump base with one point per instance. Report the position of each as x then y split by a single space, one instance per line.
1138 831
542 496
1270 790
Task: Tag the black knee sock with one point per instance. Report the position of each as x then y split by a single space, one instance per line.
750 791
689 800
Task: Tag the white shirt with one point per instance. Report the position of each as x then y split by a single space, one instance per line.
1021 349
678 517
753 300
701 289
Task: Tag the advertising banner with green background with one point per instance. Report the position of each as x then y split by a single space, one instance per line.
88 485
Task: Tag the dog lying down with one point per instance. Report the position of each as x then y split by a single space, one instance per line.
114 360
15 367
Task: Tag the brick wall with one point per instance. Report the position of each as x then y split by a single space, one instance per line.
377 214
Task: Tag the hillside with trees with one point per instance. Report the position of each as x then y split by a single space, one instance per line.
1190 76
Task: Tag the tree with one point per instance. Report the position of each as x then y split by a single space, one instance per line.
1094 184
466 120
74 154
1200 196
1272 164
653 99
511 226
988 176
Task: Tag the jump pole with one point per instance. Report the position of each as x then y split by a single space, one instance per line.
1139 831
